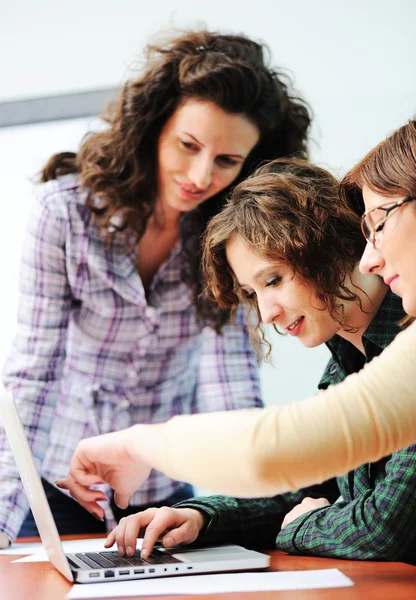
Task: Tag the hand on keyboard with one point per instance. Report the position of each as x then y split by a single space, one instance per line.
173 525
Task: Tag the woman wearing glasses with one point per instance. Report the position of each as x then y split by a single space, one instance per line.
262 452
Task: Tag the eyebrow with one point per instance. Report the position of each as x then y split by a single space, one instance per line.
260 273
203 145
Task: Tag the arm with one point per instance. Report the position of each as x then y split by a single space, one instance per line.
228 377
35 362
211 520
369 415
261 452
253 523
379 525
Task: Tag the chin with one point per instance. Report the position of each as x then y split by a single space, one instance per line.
311 343
409 305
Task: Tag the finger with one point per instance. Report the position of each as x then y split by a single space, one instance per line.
120 534
184 534
88 498
131 532
164 520
121 499
111 538
85 478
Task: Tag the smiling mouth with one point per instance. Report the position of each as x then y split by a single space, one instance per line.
191 190
294 324
390 280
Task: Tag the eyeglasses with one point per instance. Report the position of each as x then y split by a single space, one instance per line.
370 228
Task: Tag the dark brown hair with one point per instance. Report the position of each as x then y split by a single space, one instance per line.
119 165
288 211
388 169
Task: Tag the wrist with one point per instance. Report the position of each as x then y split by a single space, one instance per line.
144 442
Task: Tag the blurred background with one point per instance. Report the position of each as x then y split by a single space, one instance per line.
354 61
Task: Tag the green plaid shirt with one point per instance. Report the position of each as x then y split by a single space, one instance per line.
375 519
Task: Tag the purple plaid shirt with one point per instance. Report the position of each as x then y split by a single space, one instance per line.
92 355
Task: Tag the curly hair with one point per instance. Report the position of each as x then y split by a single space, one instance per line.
288 211
118 166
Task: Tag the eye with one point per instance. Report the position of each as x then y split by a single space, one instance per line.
188 145
274 282
227 161
248 295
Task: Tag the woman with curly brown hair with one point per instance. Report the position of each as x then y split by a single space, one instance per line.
287 245
113 330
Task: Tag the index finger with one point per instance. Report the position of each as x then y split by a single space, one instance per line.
161 523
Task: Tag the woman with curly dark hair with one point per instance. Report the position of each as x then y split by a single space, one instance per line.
288 245
113 328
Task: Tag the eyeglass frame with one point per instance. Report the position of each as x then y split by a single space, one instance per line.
372 238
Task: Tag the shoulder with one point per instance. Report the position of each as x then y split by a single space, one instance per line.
61 196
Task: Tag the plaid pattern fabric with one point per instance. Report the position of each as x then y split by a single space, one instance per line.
376 517
92 355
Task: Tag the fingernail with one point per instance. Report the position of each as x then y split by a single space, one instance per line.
121 550
169 541
143 553
96 515
129 550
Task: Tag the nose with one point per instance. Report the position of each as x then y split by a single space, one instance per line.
200 173
372 261
269 309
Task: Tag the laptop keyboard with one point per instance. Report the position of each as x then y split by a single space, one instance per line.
111 559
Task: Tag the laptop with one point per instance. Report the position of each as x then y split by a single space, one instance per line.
89 567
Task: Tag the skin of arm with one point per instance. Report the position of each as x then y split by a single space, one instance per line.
369 415
302 508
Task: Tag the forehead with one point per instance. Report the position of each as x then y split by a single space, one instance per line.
374 199
211 124
245 262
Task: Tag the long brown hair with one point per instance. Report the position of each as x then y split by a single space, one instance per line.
118 166
288 211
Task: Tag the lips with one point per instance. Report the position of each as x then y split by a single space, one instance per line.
390 280
292 326
190 190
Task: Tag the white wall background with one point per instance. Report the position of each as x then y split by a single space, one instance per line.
353 60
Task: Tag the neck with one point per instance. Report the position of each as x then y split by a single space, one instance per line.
371 291
165 219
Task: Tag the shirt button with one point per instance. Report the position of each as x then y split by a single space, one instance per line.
333 369
131 374
124 404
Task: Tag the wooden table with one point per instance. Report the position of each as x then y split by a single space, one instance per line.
373 580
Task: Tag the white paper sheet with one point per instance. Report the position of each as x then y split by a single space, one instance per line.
214 584
88 545
22 548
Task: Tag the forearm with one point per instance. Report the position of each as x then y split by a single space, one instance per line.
253 523
264 452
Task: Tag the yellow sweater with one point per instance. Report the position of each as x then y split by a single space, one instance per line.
263 452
